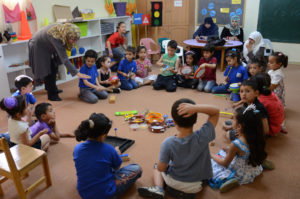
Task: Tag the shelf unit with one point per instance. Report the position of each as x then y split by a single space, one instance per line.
17 53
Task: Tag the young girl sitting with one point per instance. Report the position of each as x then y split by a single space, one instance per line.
98 164
143 68
19 130
276 61
186 77
271 102
234 73
103 65
242 163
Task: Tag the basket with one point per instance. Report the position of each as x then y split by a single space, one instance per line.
83 26
88 16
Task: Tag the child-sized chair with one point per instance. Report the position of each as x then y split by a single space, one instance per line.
152 47
180 48
17 161
160 40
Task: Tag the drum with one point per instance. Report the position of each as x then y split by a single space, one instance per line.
235 88
199 73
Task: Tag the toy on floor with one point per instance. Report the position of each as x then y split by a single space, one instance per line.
122 143
154 117
235 88
137 119
157 127
126 112
226 114
114 79
112 99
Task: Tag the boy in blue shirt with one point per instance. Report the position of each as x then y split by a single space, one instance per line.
90 89
234 73
127 70
24 85
184 159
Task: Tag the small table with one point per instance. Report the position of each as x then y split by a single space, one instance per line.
193 43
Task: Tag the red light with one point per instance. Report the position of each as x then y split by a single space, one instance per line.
156 6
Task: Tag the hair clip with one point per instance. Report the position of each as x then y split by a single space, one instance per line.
91 124
10 102
256 111
264 87
190 52
18 78
279 54
234 49
250 107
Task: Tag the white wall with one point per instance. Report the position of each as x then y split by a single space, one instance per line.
250 25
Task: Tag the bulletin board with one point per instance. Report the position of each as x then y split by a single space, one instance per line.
220 10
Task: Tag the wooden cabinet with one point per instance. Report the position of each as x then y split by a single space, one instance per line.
178 22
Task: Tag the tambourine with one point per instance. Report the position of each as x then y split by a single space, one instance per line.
137 119
199 73
157 127
186 70
114 79
154 117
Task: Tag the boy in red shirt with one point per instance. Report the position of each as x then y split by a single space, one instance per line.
113 43
208 80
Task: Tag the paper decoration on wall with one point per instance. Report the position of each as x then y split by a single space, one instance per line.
156 13
232 14
236 1
224 10
239 11
212 13
203 11
146 20
12 15
137 18
211 6
30 13
214 20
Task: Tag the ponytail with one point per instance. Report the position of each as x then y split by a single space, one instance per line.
263 81
281 58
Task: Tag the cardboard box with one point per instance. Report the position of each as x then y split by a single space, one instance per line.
64 14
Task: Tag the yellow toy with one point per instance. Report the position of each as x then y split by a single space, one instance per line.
154 117
112 99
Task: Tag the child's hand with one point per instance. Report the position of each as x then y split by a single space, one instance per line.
118 150
203 65
99 88
186 109
132 76
160 64
42 132
171 70
226 79
107 82
51 122
139 72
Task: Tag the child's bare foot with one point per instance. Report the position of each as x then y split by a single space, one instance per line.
67 135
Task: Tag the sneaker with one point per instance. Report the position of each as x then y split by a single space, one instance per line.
283 130
268 164
229 184
116 90
153 192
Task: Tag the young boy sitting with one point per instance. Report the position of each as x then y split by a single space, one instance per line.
127 70
46 120
208 80
184 159
170 62
90 89
24 84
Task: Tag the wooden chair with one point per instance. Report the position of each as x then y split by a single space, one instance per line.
17 161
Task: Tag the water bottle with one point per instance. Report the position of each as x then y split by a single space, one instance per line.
9 27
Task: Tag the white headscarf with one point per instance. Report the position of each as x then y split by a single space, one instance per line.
259 42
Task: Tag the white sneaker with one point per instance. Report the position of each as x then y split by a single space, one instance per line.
153 192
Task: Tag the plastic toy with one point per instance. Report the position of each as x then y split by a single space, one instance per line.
125 157
134 126
81 50
128 116
164 69
143 126
235 88
169 122
126 112
199 73
114 79
154 117
230 115
137 119
73 51
112 99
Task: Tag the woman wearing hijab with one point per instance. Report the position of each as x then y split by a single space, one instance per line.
233 31
47 50
254 48
209 28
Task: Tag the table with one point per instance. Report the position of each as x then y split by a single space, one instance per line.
193 43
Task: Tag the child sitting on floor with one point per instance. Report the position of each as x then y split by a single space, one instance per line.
103 65
184 159
19 130
255 67
242 163
24 84
186 77
98 164
208 80
170 62
143 68
90 89
127 70
271 102
276 61
234 73
46 120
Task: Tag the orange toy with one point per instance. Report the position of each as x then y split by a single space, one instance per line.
154 117
114 79
25 30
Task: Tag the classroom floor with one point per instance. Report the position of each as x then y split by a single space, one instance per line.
283 150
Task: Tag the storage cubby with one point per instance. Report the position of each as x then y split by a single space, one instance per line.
16 53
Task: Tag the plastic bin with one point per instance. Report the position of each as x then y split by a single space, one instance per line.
83 26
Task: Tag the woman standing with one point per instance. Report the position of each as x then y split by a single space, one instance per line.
47 50
233 31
